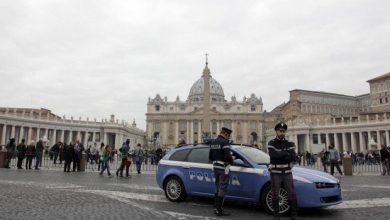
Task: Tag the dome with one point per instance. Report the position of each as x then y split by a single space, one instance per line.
197 91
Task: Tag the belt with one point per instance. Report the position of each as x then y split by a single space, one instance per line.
280 165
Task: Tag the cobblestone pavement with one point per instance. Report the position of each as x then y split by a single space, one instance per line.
49 194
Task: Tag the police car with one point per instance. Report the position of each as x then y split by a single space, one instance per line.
186 171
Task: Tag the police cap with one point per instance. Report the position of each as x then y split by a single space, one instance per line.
281 125
227 130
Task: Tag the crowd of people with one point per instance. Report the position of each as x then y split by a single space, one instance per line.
70 156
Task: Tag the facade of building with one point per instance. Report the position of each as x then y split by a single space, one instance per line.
171 122
350 123
35 124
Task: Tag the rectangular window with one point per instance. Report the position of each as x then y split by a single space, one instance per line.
157 107
253 108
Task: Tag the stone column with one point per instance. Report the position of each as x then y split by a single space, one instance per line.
327 141
199 132
336 142
353 143
387 138
369 138
13 131
21 134
93 137
29 135
62 137
70 137
362 142
38 134
85 138
78 136
345 142
117 144
307 143
379 139
105 138
188 132
192 132
54 137
218 126
176 132
3 134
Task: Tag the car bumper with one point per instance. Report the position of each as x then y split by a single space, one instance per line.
308 196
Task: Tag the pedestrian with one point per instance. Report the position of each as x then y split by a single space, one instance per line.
68 156
38 154
106 160
54 151
101 150
282 155
78 149
385 157
30 153
94 152
221 157
21 148
61 152
124 150
334 159
324 159
11 149
138 157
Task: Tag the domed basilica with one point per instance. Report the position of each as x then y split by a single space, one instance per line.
172 122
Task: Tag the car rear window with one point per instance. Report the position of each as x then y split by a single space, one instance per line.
179 155
200 155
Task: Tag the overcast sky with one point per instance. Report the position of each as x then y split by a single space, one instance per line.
96 58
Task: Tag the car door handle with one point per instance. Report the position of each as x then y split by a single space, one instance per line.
185 167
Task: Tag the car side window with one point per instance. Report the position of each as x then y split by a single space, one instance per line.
179 155
200 155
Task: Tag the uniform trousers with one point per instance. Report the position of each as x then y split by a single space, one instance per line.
221 182
287 180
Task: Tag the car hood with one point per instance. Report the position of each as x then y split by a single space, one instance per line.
311 175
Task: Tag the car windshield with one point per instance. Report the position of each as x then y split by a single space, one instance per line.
255 155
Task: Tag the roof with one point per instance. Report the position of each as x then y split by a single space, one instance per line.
384 76
324 93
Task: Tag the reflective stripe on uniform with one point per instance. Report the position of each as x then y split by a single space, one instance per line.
274 148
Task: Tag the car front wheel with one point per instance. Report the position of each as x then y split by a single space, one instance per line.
174 189
266 200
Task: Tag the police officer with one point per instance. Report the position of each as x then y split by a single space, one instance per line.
282 155
221 158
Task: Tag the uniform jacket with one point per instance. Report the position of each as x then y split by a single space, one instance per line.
220 151
281 151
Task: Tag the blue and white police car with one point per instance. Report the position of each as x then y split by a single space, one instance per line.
186 170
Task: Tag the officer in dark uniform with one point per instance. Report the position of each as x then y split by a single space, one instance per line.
221 158
282 156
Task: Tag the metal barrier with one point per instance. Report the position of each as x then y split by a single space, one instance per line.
357 168
48 163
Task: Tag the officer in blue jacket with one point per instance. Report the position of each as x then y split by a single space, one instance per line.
221 158
282 155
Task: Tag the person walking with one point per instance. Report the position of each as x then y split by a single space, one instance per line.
124 150
78 149
101 151
282 156
11 149
221 157
68 156
30 152
138 157
38 153
106 160
385 157
334 158
21 148
55 151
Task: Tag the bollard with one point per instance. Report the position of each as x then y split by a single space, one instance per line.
2 158
347 164
82 162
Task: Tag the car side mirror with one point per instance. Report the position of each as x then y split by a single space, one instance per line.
239 162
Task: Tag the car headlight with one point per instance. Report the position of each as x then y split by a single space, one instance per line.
322 185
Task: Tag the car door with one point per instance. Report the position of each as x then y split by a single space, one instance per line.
200 176
242 180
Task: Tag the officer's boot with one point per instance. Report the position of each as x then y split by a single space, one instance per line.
294 209
275 206
219 211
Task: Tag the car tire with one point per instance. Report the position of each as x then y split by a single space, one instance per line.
174 189
266 201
